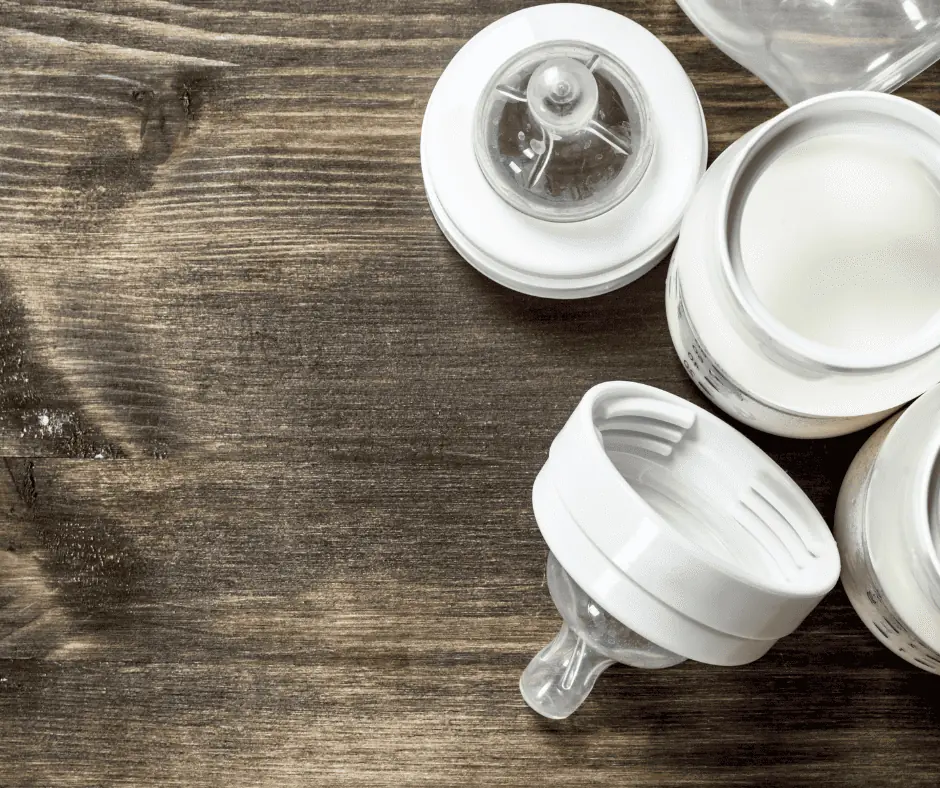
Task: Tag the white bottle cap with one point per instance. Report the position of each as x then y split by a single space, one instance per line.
560 148
680 527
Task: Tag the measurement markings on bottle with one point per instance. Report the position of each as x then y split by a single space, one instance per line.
698 363
897 636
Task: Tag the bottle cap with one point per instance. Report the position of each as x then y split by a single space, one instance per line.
562 132
675 525
560 148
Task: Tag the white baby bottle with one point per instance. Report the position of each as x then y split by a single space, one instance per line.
803 296
672 537
888 530
560 148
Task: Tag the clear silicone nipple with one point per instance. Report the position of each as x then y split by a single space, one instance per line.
562 675
562 132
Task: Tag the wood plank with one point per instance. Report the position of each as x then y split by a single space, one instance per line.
245 612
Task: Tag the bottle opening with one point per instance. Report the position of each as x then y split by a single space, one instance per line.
562 132
835 240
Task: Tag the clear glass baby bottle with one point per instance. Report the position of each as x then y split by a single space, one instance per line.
804 48
888 531
803 297
672 537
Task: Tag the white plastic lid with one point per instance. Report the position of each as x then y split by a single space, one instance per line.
560 149
680 527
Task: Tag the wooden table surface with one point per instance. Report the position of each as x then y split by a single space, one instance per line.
270 441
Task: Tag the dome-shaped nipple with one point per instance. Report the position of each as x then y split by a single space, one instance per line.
562 95
563 132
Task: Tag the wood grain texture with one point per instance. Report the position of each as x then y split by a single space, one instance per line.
269 443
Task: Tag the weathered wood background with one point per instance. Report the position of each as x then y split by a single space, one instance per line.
270 442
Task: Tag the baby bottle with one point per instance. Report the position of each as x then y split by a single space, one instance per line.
888 531
803 296
804 48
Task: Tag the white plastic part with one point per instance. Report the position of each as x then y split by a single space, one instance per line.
611 209
810 47
888 531
743 356
678 538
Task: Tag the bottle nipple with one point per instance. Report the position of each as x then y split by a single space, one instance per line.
562 675
562 132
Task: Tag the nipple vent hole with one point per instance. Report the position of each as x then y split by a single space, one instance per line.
562 95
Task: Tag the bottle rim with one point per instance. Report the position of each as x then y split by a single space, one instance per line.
773 332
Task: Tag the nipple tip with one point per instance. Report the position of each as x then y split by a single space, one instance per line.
562 95
561 676
539 705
